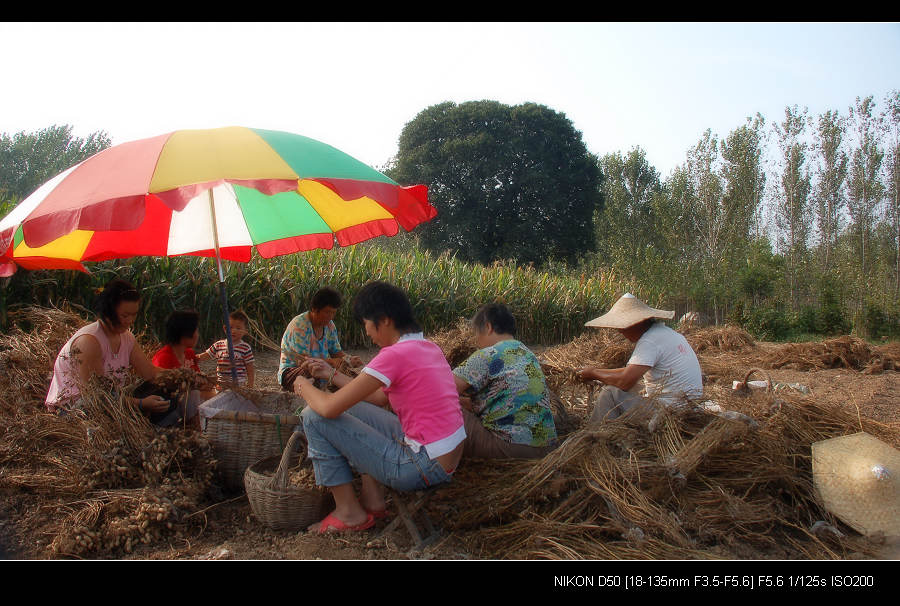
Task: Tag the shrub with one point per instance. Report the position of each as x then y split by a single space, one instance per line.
807 320
831 320
878 322
767 323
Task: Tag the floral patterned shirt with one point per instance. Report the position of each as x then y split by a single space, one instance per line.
300 339
511 396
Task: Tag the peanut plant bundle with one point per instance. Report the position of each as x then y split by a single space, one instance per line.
696 486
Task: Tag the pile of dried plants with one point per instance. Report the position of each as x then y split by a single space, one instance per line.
665 484
100 479
841 352
457 343
726 481
718 338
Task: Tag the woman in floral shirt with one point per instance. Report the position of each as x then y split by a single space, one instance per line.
312 334
508 414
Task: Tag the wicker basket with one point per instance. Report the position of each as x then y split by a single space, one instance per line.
743 388
277 505
240 439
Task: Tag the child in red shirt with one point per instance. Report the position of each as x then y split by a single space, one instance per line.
182 334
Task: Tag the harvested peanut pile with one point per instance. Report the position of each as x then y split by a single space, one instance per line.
670 484
302 478
691 484
104 478
100 480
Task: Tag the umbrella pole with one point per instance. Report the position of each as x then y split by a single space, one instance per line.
222 293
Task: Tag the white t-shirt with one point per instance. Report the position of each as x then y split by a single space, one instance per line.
674 369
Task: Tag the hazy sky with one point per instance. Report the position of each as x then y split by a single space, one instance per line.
356 85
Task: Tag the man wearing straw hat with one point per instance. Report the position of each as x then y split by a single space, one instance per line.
662 357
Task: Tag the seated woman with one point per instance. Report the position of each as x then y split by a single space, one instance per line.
420 446
182 334
312 334
509 414
104 348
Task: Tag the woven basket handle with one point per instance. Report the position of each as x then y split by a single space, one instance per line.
758 371
280 477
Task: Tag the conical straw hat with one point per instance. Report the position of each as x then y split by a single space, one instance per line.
628 311
858 479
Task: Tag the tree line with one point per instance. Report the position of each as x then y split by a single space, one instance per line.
787 228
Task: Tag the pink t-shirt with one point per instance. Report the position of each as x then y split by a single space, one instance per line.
422 392
65 375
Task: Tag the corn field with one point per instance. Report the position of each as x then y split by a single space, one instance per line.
549 306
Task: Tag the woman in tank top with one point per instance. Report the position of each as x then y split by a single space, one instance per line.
104 348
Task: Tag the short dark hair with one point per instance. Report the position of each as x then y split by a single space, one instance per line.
325 297
377 300
115 291
498 316
181 323
240 316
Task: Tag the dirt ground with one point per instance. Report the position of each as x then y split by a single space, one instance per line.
231 532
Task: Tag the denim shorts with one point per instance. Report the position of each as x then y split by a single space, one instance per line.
369 440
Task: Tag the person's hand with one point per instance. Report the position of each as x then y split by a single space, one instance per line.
318 368
356 361
152 404
586 374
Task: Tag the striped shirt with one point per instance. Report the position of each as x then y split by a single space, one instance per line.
243 356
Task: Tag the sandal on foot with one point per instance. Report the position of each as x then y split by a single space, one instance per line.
378 514
331 521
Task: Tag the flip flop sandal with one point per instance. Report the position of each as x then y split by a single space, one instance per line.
378 514
333 522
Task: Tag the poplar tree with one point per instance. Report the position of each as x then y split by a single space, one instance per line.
708 216
828 194
792 215
745 181
624 224
892 181
865 189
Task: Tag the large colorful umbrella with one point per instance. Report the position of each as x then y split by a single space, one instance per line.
178 193
217 192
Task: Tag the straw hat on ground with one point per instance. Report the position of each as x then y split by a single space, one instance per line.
858 479
628 311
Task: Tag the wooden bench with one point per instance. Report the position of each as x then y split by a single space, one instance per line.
411 513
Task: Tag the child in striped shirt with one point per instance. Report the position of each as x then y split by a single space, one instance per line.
243 354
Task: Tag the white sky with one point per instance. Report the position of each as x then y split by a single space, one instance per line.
355 85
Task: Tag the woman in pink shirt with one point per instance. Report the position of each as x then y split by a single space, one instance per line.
418 447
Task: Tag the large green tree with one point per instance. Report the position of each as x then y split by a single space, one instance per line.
707 204
509 182
28 159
